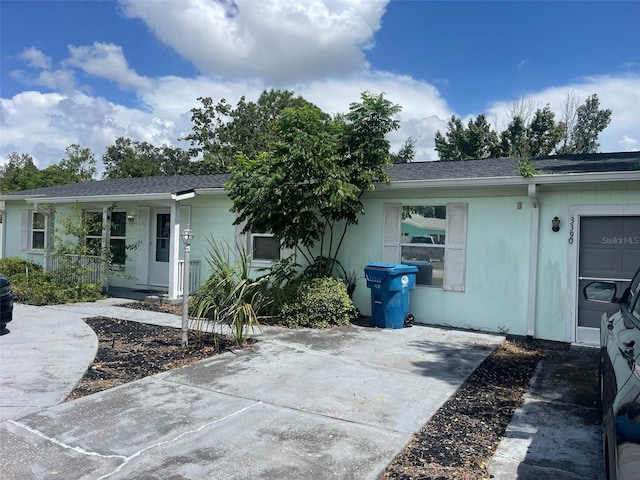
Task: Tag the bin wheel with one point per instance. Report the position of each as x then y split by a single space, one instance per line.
408 320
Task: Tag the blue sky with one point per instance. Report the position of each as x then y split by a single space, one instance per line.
89 71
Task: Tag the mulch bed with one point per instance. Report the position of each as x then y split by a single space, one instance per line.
129 351
462 436
457 442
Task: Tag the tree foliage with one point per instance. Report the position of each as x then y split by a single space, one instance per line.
528 133
21 172
590 122
305 187
407 152
127 158
220 132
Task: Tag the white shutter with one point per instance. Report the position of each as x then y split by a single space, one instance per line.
26 221
142 250
392 219
455 249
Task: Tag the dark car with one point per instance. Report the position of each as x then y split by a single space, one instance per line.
6 302
620 378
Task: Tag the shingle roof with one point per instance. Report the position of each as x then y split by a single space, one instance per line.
507 167
130 186
460 169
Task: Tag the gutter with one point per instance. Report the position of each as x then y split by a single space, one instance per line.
533 259
95 198
543 179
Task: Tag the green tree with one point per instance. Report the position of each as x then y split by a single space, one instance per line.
220 131
128 159
477 140
80 161
306 188
589 124
20 173
407 152
527 135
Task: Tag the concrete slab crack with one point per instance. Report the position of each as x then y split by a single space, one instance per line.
175 439
55 441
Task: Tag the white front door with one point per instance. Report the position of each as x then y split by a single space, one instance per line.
160 245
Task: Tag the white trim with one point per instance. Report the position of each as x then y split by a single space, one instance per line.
555 179
575 214
143 258
391 232
174 251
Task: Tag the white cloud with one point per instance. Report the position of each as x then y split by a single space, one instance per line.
271 39
107 60
35 58
62 79
628 144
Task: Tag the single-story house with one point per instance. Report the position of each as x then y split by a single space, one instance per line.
505 253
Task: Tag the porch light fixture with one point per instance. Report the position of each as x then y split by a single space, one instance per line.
187 236
555 224
131 218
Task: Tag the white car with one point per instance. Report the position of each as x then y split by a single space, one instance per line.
620 378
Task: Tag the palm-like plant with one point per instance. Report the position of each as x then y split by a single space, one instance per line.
230 297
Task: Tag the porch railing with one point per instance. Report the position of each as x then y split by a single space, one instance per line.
194 276
84 268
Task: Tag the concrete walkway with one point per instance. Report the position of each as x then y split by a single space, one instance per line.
556 433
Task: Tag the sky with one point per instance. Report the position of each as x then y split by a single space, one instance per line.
88 72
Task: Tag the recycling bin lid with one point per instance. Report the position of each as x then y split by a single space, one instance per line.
400 269
380 266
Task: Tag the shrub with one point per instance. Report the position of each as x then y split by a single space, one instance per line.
316 303
12 266
33 286
229 296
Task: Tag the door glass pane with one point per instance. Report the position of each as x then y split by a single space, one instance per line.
163 234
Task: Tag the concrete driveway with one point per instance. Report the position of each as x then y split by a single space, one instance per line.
303 404
310 404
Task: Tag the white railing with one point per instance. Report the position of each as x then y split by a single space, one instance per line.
194 276
85 268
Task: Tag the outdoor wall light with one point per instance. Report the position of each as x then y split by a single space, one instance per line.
555 224
131 218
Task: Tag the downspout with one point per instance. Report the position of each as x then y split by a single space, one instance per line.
533 259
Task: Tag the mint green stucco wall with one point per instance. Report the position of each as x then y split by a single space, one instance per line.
496 265
497 260
498 250
551 289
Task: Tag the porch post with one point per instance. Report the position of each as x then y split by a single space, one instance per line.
174 251
105 246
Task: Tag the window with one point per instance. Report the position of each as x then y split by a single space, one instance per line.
423 230
117 239
262 249
265 247
430 237
38 223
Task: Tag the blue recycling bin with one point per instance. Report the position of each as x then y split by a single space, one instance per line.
390 284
